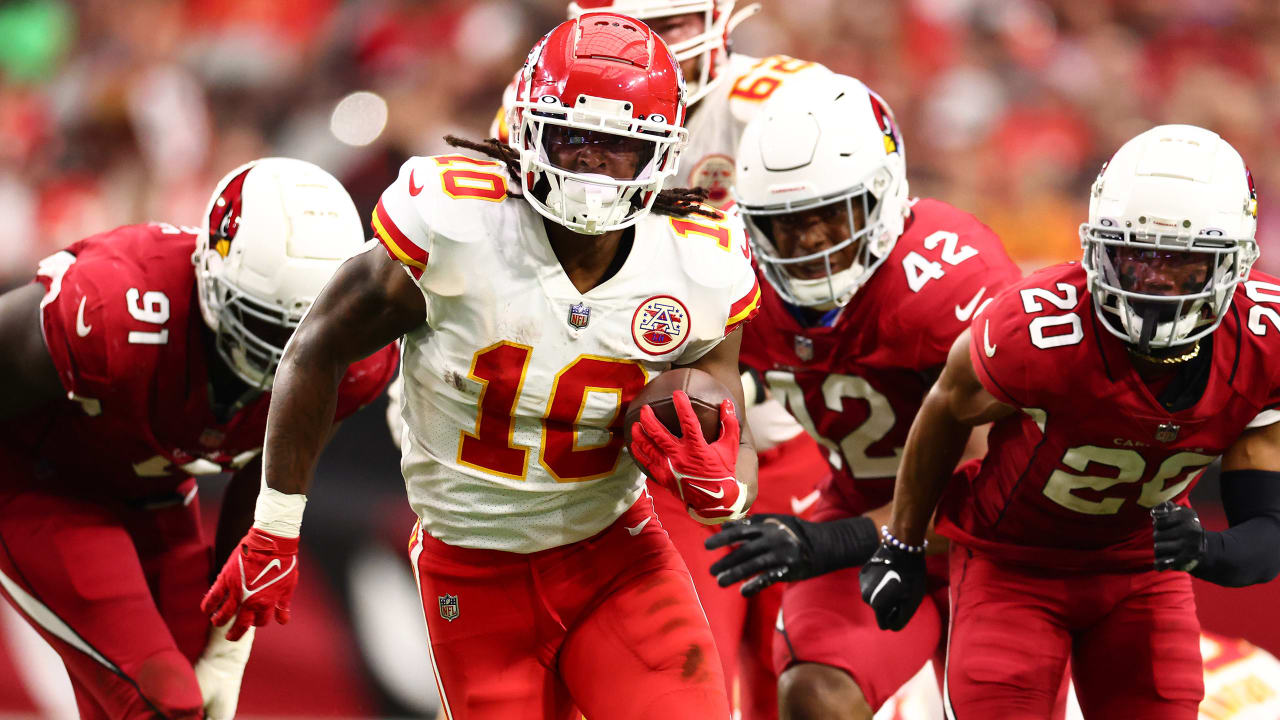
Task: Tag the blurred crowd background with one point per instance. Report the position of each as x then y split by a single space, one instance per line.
115 112
121 111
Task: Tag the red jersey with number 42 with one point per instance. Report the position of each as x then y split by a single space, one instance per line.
857 384
1069 482
123 327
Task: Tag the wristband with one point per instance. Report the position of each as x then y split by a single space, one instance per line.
278 513
892 541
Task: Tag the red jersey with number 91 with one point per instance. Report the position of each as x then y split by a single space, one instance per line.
857 384
122 325
1068 483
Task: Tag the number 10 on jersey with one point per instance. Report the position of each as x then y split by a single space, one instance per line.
501 369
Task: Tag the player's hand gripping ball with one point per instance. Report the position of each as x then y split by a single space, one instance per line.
700 471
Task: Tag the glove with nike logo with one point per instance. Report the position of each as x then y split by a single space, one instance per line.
783 548
893 584
699 473
256 582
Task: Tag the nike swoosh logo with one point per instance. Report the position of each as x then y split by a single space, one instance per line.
987 347
716 494
799 505
270 566
81 329
414 189
636 530
963 314
891 575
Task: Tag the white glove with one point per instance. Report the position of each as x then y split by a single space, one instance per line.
219 670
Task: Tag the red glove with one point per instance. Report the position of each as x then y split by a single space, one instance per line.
258 578
700 473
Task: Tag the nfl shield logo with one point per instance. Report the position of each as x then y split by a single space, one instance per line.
579 315
804 348
1167 432
449 607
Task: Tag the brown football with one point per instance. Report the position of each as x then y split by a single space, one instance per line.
705 394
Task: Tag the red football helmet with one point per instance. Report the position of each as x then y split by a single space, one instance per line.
711 45
600 77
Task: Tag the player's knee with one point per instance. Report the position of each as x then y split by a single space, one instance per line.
809 691
168 687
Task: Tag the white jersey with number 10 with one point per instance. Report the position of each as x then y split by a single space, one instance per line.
514 390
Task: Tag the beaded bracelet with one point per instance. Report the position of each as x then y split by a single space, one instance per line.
889 539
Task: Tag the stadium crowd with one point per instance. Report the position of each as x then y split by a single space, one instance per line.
121 112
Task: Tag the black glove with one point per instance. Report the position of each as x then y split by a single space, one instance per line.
1180 542
784 548
893 582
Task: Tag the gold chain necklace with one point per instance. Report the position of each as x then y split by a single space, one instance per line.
1189 355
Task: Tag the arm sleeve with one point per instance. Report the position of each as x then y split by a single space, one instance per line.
1248 552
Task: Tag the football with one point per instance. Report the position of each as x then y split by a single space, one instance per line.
705 394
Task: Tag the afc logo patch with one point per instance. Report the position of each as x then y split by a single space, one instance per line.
660 325
449 607
715 174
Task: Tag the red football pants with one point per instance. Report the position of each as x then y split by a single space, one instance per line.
115 590
610 625
743 627
1133 641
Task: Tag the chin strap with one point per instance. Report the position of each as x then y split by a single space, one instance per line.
1149 321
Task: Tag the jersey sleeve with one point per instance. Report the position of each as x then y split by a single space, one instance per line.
397 220
737 287
79 325
958 302
365 380
945 269
1011 364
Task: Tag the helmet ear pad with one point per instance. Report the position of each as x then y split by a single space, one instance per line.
275 230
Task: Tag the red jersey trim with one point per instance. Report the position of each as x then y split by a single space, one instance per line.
398 245
744 309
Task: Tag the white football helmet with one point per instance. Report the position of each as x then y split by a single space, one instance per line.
275 231
1174 194
710 45
834 141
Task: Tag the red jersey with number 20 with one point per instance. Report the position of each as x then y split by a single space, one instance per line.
1068 483
857 384
124 330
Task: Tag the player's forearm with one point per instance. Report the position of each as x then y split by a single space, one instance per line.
935 444
303 401
236 515
1245 553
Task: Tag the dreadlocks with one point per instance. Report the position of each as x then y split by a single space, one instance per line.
676 202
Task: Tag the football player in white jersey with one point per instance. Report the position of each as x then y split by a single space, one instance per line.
537 294
727 89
